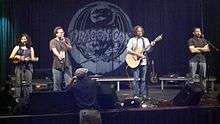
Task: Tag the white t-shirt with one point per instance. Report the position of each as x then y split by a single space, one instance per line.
137 43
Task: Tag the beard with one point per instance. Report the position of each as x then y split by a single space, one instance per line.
139 35
198 35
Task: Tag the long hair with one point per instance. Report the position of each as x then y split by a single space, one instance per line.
29 42
135 29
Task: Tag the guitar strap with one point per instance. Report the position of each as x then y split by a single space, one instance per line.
136 45
20 51
143 42
143 46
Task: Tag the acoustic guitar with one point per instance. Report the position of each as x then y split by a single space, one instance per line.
133 60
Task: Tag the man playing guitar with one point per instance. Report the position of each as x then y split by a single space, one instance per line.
136 47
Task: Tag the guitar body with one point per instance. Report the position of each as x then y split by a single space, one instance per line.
15 61
133 60
153 78
153 75
26 60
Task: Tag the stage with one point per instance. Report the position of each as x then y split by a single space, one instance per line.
164 112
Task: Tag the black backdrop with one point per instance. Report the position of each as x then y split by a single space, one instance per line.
173 18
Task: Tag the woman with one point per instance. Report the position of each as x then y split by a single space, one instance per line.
23 56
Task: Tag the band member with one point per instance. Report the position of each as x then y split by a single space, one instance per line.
136 46
60 47
22 56
198 46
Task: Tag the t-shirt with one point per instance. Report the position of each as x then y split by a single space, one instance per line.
138 43
60 46
197 42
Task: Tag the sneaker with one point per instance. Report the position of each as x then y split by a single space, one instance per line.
144 105
136 97
17 100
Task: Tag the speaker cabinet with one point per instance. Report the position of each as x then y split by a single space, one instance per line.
190 95
107 96
51 102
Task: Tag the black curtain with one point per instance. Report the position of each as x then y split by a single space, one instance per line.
212 33
173 18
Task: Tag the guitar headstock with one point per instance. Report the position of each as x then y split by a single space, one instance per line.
158 38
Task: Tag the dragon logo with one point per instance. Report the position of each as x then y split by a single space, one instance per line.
100 32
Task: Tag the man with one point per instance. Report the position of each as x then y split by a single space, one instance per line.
60 47
198 46
84 89
136 46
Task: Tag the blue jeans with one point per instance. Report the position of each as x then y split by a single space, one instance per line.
202 69
202 72
59 75
139 86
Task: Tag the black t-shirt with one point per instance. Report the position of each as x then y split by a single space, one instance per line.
197 42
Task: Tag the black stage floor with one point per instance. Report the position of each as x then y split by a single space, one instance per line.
170 91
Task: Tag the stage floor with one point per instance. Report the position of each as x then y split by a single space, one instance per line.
207 112
170 91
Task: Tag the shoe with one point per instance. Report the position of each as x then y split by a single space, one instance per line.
136 97
143 105
17 100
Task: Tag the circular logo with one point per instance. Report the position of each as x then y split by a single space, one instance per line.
100 32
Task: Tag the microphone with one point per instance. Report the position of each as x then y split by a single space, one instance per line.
61 39
202 35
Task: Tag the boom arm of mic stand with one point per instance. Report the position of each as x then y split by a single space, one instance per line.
216 49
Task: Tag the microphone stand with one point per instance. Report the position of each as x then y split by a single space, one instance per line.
208 67
216 49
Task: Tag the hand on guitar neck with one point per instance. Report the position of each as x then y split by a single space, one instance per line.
140 53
